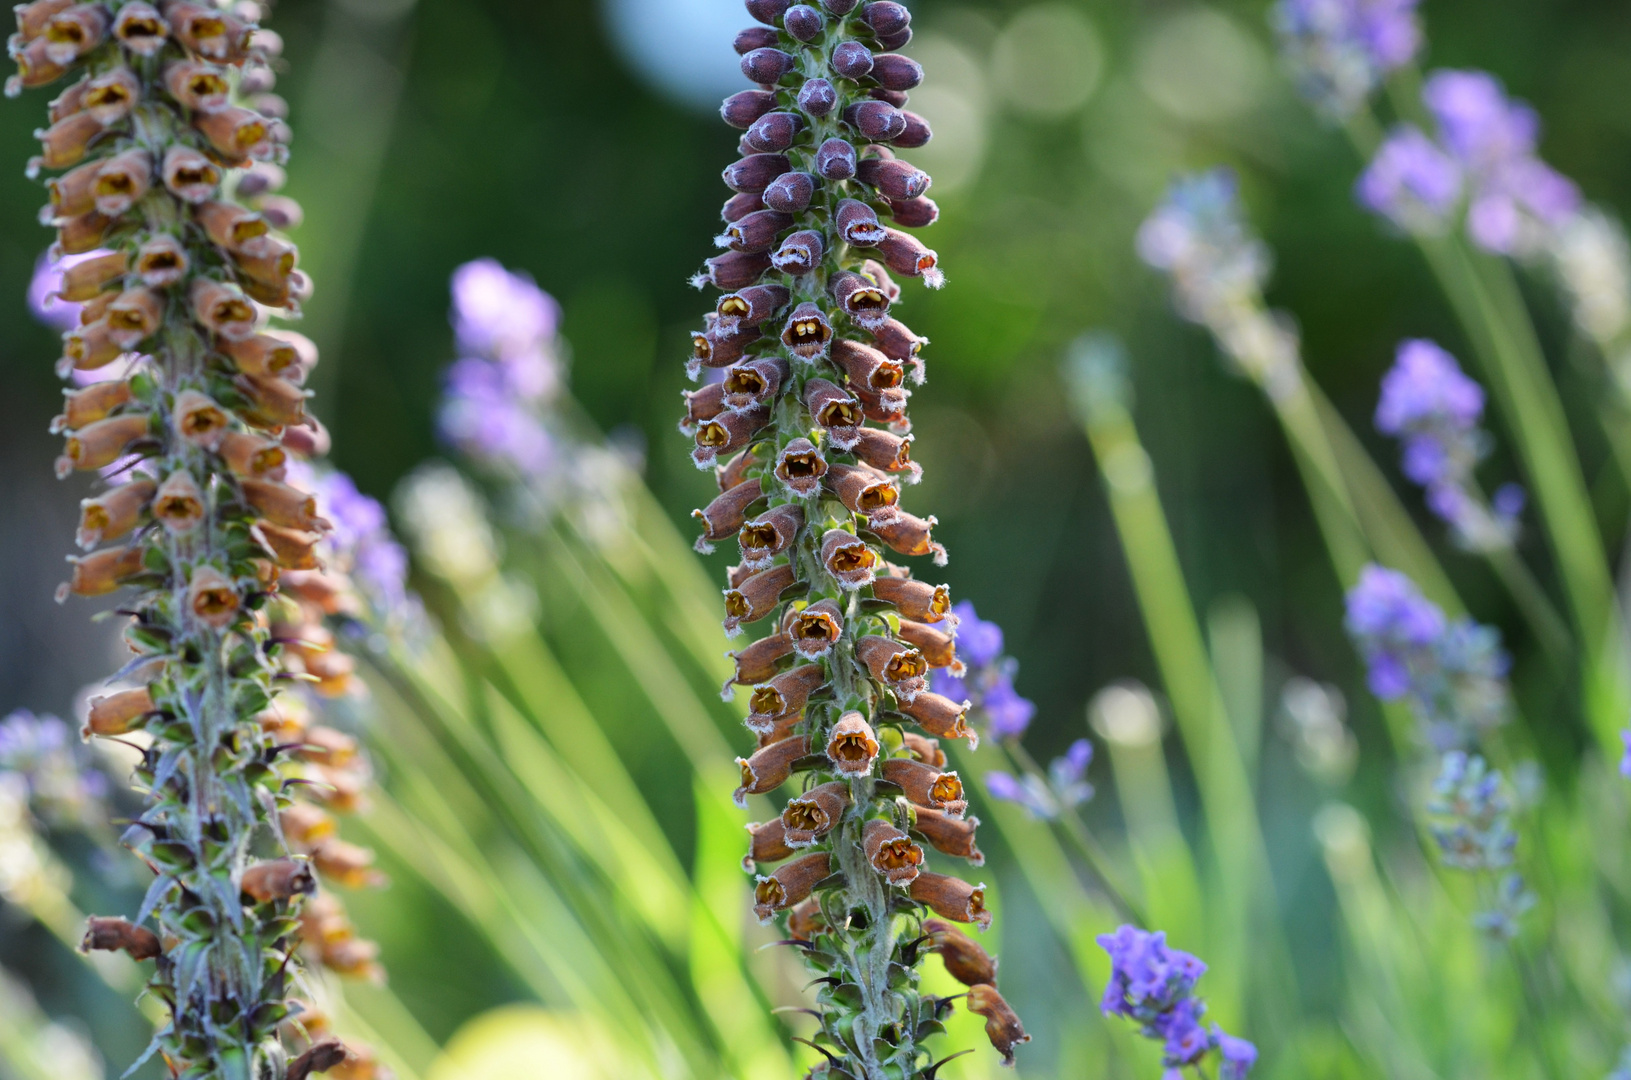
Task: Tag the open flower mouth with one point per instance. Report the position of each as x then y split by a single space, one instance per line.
806 817
713 435
854 559
734 307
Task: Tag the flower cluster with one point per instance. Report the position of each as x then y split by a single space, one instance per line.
1434 410
62 785
1483 156
164 151
1341 50
811 358
1199 237
1154 986
1470 822
1453 674
987 681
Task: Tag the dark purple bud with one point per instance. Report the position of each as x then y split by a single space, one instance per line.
897 98
818 98
835 159
895 41
860 298
742 109
916 134
807 331
743 147
857 223
755 37
893 179
896 72
766 65
749 307
733 270
897 341
768 12
790 192
757 231
754 172
875 120
914 213
885 17
774 132
804 22
839 7
739 206
799 253
852 60
905 254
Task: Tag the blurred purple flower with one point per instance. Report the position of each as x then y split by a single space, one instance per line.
1411 182
944 683
361 543
1010 714
1625 761
54 767
1425 386
979 643
1153 985
500 313
1340 50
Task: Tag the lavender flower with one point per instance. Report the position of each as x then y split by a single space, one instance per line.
1154 986
987 680
1472 827
360 555
174 263
1064 787
63 785
1411 182
1434 408
1625 760
806 434
1452 674
1341 50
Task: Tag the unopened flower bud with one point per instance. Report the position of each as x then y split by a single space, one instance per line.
940 716
848 559
896 341
800 253
304 824
807 332
768 12
899 667
769 768
724 516
113 514
790 192
210 33
134 317
212 598
282 504
938 648
965 960
73 193
917 213
272 402
766 66
733 270
727 433
791 882
949 834
277 879
179 503
895 72
85 280
78 235
774 132
852 60
914 599
102 572
886 17
910 535
114 935
783 696
859 297
804 23
875 120
118 713
1002 1026
190 175
905 254
702 405
105 441
347 865
810 816
756 231
839 8
952 898
236 133
893 178
735 471
756 597
767 843
741 109
740 205
755 37
63 143
758 662
754 383
851 746
815 629
309 439
891 852
291 549
834 160
924 749
221 309
916 133
755 172
817 97
800 467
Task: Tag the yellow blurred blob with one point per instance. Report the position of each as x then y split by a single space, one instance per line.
525 1042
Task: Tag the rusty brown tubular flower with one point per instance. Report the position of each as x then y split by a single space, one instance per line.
805 426
164 176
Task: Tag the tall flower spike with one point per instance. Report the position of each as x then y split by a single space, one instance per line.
814 359
166 183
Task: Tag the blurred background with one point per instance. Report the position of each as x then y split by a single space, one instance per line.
580 142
